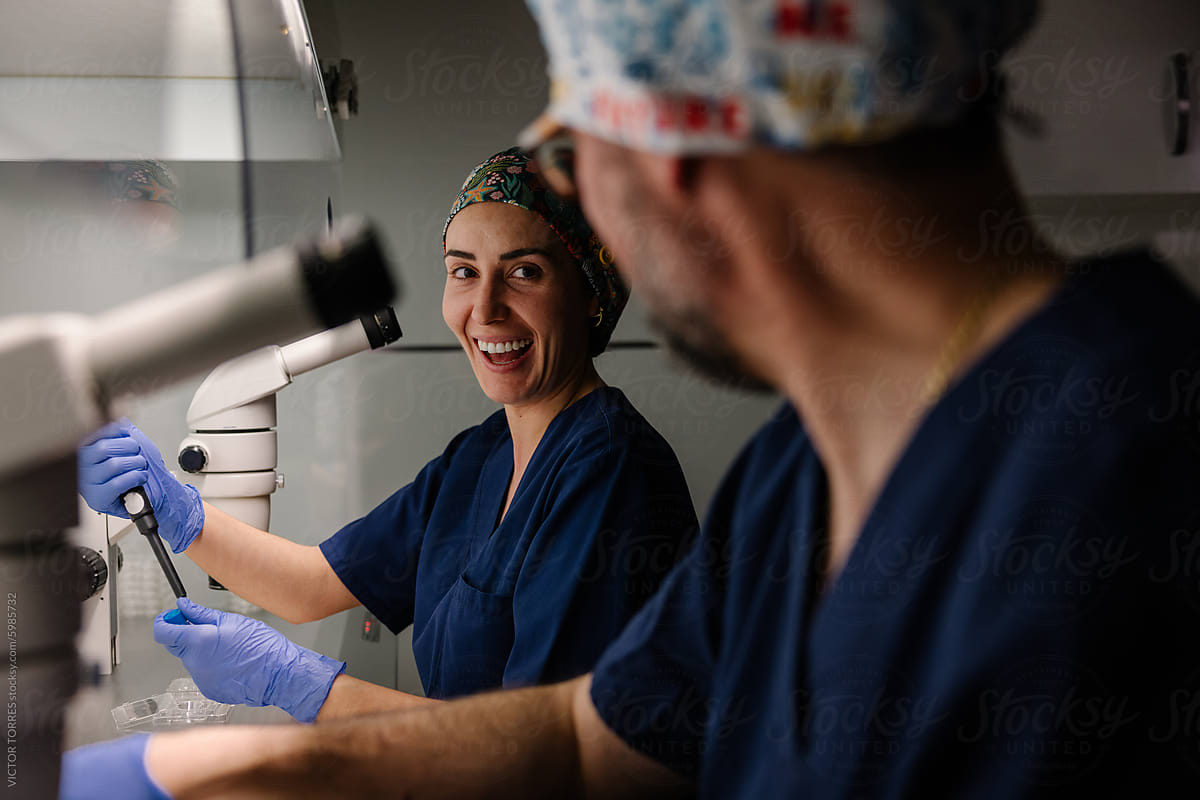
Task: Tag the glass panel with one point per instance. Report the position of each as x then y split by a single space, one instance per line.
288 118
294 179
121 142
99 81
157 78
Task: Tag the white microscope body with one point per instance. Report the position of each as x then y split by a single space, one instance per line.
230 457
232 451
99 641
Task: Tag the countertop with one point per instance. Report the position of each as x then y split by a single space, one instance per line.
145 670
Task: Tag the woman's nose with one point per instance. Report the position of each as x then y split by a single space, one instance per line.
489 303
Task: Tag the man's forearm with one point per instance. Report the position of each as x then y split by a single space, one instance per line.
503 744
350 697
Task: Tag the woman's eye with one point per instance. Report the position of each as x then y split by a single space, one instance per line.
462 272
526 271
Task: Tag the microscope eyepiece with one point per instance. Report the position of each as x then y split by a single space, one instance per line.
382 327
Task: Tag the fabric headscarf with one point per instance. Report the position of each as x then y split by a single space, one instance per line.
512 177
144 180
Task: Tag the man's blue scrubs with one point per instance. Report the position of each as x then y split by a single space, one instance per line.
601 515
1019 617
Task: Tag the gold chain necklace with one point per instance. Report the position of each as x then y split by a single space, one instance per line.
965 333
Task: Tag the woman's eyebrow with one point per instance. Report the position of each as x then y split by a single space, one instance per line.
522 252
459 254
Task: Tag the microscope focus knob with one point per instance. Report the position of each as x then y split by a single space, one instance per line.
93 575
193 458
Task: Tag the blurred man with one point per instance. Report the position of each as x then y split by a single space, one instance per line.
956 562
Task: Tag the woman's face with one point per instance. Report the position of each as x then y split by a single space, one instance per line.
516 301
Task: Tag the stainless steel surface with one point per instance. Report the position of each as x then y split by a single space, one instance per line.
145 670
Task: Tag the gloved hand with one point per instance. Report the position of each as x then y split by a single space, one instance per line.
234 659
109 769
119 457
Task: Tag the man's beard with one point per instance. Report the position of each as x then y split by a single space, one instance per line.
688 331
693 338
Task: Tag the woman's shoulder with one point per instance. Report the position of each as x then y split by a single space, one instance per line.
611 447
607 422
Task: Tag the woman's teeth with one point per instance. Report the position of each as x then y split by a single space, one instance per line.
503 347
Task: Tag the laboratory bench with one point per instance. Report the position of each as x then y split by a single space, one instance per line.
145 670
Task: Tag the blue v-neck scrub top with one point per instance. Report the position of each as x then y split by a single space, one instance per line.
599 518
1020 616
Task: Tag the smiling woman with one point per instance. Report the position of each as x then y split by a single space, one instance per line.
527 287
517 542
519 553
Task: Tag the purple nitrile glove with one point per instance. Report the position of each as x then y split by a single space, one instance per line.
109 769
234 659
119 457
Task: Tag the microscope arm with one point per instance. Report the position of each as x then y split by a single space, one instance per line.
232 450
221 401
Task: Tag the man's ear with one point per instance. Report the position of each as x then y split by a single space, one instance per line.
593 306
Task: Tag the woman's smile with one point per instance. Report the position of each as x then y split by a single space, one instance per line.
503 354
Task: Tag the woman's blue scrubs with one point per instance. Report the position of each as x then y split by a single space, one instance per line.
1020 616
601 515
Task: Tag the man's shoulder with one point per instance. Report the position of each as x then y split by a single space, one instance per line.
776 464
1107 362
1128 306
781 440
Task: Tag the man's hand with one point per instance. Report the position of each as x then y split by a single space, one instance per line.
234 659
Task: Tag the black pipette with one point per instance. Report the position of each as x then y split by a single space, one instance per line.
142 514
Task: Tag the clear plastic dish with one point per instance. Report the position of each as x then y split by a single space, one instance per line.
193 712
180 706
183 685
139 712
